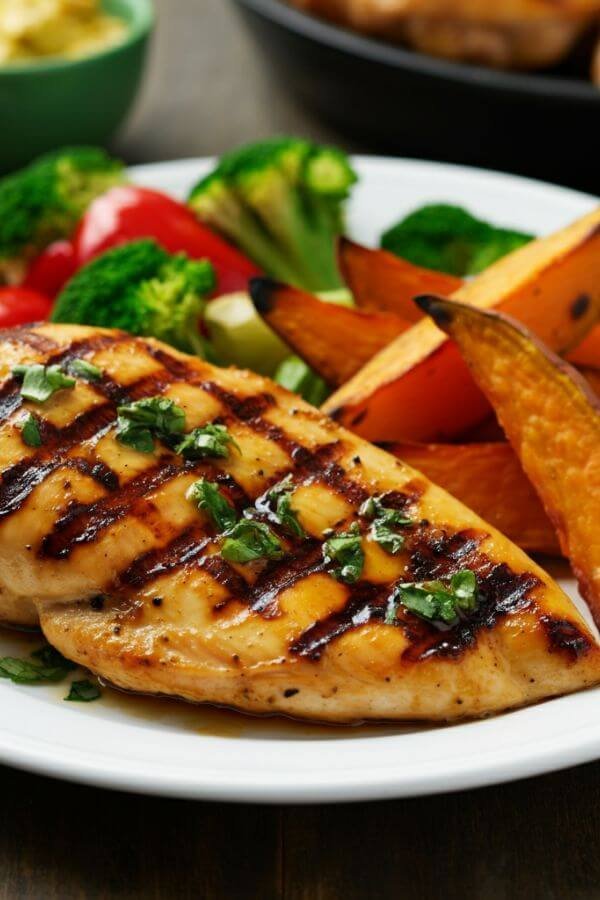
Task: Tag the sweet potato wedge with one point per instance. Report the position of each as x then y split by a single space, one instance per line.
592 376
334 340
552 419
587 353
490 480
381 281
419 388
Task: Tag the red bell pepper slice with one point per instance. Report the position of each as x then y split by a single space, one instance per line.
19 306
128 212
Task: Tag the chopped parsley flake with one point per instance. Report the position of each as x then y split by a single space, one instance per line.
277 504
248 541
40 382
207 496
84 369
436 601
139 422
30 431
385 522
45 665
83 691
207 441
345 549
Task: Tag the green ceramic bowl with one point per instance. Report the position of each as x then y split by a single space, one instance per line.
52 103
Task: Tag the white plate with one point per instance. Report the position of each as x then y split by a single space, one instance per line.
164 747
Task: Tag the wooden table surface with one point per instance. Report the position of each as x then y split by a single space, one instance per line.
536 839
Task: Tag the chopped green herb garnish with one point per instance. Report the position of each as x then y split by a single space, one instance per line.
41 382
84 369
141 421
250 540
386 537
345 549
83 691
207 441
30 431
436 601
385 522
206 495
277 503
46 665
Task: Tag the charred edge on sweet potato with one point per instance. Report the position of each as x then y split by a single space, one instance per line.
580 306
261 291
445 311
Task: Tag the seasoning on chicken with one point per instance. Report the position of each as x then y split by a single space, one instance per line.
199 532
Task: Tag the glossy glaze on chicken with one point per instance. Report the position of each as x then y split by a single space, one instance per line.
128 576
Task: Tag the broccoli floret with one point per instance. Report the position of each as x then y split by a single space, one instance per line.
141 288
449 239
282 202
44 201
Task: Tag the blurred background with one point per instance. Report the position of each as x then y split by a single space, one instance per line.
209 88
225 71
521 96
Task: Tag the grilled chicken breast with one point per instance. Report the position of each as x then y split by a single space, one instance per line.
128 578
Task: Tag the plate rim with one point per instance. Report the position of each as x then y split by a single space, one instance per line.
109 770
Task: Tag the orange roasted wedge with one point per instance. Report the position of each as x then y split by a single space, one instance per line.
419 388
490 480
551 417
381 281
334 340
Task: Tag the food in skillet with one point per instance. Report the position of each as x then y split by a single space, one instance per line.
512 34
200 532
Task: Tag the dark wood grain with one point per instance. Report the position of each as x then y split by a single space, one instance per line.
61 842
536 840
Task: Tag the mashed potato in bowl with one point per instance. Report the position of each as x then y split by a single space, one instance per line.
33 29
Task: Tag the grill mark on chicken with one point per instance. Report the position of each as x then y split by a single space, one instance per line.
302 560
91 424
501 592
10 396
10 399
225 575
436 553
433 553
182 549
565 637
307 560
22 334
20 480
185 548
83 523
14 492
365 602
